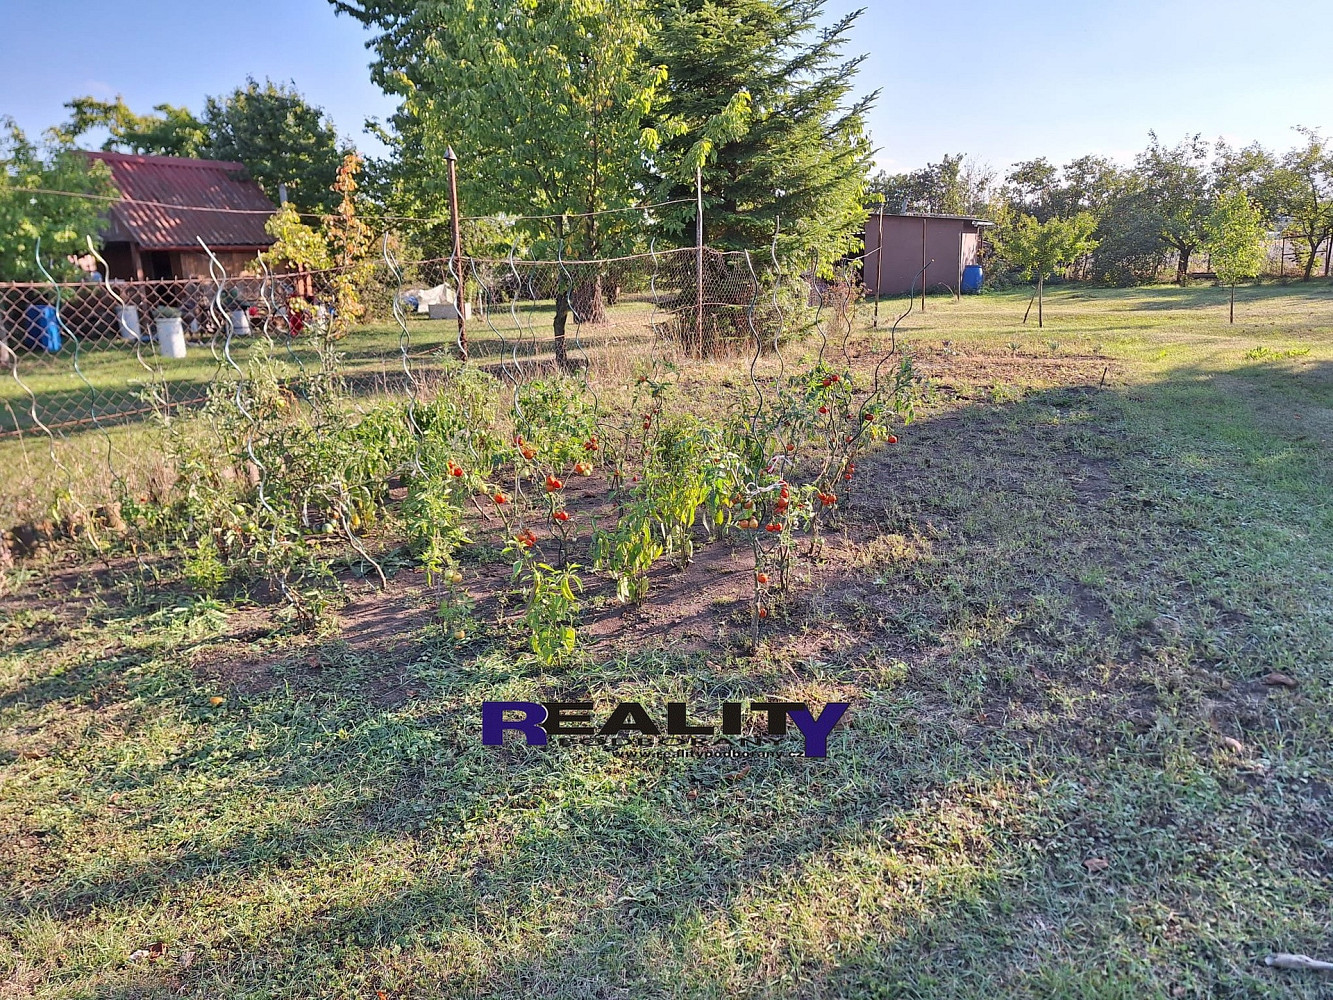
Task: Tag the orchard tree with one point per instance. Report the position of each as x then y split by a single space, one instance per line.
1041 249
544 102
171 131
61 222
759 96
1300 190
1235 241
1178 182
954 186
281 138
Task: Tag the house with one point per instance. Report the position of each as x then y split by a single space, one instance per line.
168 204
941 244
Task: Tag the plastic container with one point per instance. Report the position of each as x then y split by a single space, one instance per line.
972 279
41 328
171 337
127 321
240 323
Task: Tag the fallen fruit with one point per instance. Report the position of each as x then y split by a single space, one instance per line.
893 439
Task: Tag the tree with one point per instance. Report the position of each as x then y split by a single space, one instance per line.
1178 183
172 131
281 138
1039 249
29 211
1300 192
954 186
1235 240
544 102
759 96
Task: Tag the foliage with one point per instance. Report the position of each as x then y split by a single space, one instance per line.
62 223
1300 190
1178 183
281 138
1235 238
954 186
1086 184
1039 250
1129 250
172 131
350 240
756 94
296 246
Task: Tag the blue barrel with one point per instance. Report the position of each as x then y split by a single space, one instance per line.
972 278
41 328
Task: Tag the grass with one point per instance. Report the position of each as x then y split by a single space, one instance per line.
1062 776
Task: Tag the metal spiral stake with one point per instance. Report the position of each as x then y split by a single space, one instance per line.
267 297
60 323
484 296
513 311
32 411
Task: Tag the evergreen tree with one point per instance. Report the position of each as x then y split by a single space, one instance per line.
757 95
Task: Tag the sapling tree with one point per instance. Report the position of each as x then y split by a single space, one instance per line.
1234 239
1041 249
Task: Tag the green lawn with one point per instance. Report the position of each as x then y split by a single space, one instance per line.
1052 606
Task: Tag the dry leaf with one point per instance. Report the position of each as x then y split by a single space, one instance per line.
1276 679
692 794
1096 864
186 958
739 774
216 700
1302 963
150 954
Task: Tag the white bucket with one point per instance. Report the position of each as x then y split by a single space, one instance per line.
171 337
127 320
240 323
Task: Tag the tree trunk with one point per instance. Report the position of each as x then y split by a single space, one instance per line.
588 301
561 317
1182 266
1233 302
1041 281
1309 261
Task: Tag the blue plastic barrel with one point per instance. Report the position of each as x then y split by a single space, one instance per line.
972 278
41 328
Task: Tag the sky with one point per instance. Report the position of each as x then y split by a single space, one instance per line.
1000 81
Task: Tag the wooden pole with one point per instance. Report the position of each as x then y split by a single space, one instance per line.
924 265
457 255
699 256
958 288
1041 281
879 262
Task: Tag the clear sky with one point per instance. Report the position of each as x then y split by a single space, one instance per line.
1002 81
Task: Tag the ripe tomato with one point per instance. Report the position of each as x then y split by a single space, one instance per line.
501 498
761 578
561 515
893 439
823 409
763 612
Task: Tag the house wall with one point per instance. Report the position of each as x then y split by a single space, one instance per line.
952 244
195 265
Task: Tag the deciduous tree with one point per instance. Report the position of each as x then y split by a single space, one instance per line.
29 208
171 131
1299 192
1235 240
544 102
1041 249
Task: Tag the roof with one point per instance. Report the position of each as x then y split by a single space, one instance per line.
220 203
975 220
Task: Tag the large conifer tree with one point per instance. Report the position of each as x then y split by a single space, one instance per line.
763 97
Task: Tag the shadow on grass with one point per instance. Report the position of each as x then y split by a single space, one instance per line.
1046 571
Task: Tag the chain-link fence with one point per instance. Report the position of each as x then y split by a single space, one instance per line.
110 354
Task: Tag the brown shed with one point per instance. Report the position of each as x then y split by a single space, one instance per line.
168 204
941 244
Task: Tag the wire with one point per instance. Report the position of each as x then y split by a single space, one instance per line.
117 199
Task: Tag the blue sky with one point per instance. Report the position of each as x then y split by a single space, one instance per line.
1002 81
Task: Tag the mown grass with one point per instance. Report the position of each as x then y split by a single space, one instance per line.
1052 607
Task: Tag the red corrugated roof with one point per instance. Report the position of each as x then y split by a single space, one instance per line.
168 181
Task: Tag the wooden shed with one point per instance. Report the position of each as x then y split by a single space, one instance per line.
942 245
168 204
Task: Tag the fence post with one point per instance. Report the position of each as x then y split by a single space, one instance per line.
699 256
456 258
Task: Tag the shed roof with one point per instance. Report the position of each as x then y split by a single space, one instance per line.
974 219
170 202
